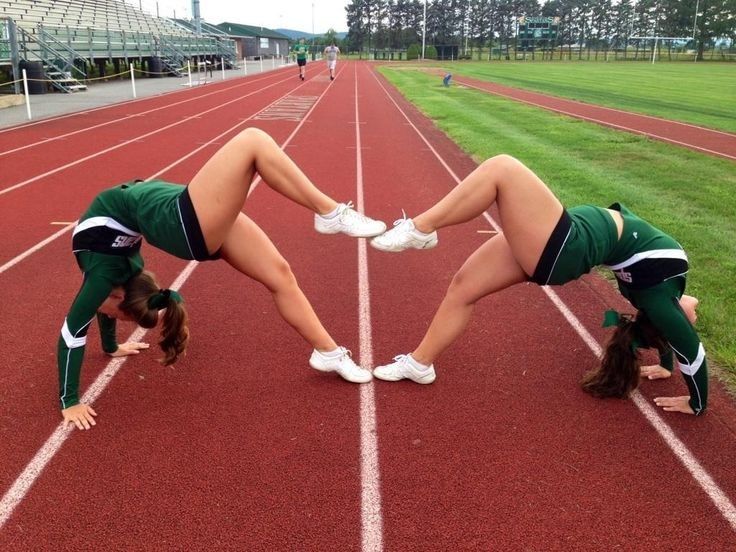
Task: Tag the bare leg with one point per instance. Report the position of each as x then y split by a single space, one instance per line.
529 210
248 250
219 190
491 268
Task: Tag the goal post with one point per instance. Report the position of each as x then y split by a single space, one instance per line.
661 39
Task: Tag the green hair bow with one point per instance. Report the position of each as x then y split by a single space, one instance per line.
615 318
612 318
160 300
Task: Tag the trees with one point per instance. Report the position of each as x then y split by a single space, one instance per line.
585 24
715 19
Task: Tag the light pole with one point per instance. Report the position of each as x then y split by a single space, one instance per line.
695 23
424 28
697 4
312 30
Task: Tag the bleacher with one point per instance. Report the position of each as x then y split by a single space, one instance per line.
67 36
99 14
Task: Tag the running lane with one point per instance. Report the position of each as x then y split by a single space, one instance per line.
704 140
241 445
504 450
45 193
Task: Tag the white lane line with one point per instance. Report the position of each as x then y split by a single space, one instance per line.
608 108
678 448
214 140
371 518
32 250
120 120
20 487
33 470
613 125
133 140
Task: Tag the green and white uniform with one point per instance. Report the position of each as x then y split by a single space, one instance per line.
106 243
301 51
650 269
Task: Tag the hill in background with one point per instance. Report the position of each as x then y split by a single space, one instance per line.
296 35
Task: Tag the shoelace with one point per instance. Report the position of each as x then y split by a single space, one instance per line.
352 215
395 235
400 361
402 220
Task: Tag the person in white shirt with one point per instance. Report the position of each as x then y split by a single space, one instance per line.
331 53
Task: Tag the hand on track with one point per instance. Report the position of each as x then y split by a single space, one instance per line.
81 415
655 372
674 404
129 348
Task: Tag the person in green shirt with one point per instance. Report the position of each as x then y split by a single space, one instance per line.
547 244
201 221
301 50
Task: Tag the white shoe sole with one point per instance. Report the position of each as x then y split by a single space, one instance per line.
359 379
395 249
424 380
328 230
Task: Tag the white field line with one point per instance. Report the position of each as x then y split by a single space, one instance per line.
126 117
20 487
678 448
612 125
133 140
370 485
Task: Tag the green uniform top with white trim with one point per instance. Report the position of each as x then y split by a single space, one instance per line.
301 51
106 243
650 268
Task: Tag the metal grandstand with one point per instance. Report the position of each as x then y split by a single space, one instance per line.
59 41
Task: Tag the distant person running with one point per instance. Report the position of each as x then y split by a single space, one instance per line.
331 54
301 50
549 245
201 221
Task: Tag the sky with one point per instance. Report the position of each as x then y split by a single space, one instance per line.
274 14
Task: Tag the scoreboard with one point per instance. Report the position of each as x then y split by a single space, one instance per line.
535 32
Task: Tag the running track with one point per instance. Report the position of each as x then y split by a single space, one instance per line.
242 447
701 139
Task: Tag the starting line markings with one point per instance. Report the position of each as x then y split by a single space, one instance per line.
291 108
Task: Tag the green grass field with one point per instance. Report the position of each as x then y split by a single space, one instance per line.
698 93
689 195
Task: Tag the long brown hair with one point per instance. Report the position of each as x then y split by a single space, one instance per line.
143 300
619 372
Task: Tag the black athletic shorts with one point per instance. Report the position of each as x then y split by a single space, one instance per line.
193 231
301 62
553 249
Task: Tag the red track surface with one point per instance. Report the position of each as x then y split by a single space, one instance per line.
241 446
704 140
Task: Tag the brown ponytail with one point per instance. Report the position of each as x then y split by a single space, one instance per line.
144 299
619 372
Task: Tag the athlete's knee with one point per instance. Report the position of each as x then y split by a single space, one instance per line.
502 165
282 277
253 136
459 291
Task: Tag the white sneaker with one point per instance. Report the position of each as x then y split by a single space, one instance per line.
350 222
404 235
405 367
340 363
